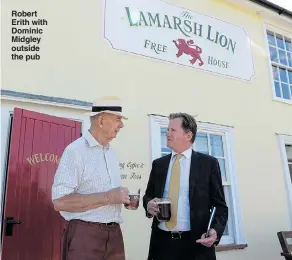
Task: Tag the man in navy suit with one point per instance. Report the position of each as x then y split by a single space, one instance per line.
192 181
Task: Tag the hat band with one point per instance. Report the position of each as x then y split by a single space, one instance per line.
99 109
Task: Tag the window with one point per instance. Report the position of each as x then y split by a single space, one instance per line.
280 48
286 154
216 141
289 158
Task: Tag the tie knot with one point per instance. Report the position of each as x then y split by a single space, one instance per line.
178 156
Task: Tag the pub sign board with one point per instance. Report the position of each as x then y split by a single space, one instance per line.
159 30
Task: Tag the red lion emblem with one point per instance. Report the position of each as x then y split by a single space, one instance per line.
184 47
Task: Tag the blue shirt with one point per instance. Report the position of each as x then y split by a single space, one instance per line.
183 215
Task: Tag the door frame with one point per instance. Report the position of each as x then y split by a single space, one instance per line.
72 112
283 140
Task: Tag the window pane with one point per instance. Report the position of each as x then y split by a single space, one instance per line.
275 72
283 58
226 231
163 131
283 75
289 152
163 137
271 39
280 42
163 140
202 143
228 199
216 145
285 91
288 45
165 150
274 55
289 54
277 88
289 157
290 76
222 168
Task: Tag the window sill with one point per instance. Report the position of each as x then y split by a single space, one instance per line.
282 100
221 248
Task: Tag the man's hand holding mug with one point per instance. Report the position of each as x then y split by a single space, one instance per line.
152 207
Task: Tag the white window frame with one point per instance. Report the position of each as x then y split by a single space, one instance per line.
268 27
284 140
236 232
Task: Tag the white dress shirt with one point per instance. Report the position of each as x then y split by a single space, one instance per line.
183 214
86 167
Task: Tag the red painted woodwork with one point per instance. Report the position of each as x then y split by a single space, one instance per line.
37 143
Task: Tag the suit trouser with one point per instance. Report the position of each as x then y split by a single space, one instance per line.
86 240
167 246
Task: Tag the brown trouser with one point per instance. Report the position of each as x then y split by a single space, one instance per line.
92 241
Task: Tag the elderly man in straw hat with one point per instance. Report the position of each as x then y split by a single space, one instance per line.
87 188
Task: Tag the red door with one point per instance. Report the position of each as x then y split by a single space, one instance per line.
32 230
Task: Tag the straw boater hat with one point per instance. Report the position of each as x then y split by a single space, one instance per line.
111 105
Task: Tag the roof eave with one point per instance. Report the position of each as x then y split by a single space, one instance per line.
280 10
